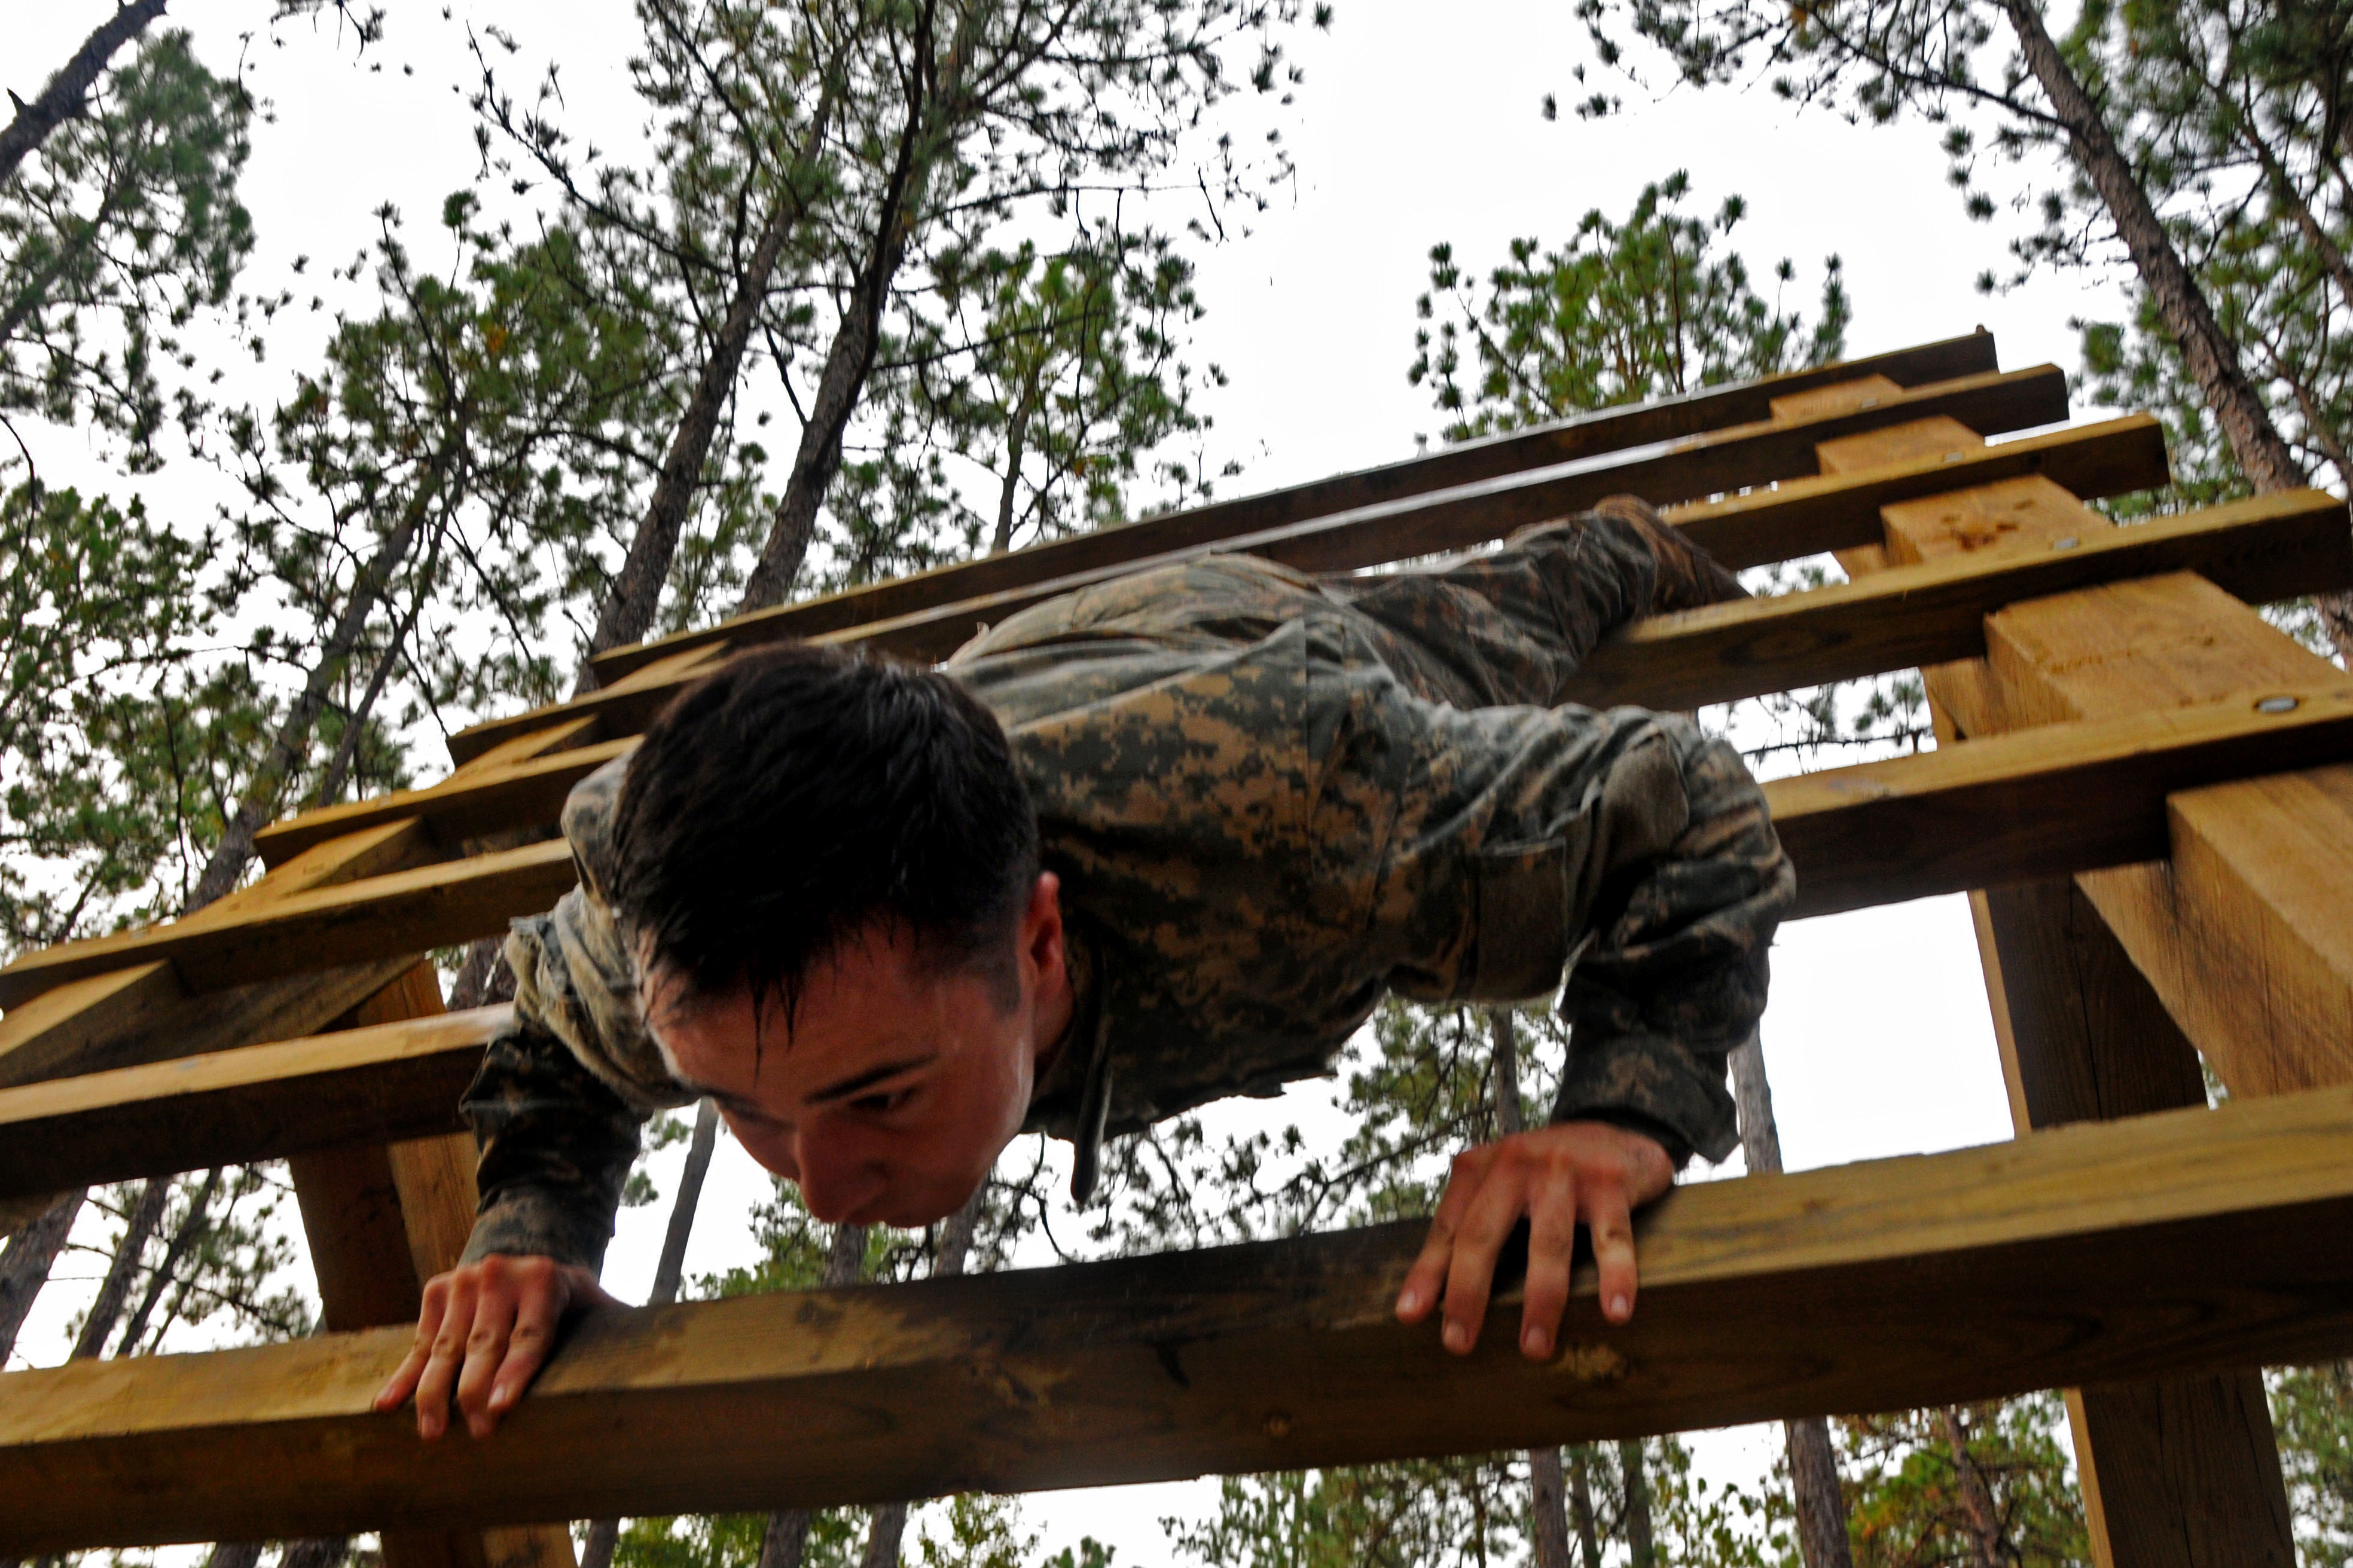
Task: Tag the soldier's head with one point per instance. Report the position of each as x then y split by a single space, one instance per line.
828 867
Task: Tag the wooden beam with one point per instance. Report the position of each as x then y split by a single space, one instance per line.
1469 462
1701 465
381 1219
2176 1472
406 912
2271 547
383 1083
2268 548
2088 1253
2063 798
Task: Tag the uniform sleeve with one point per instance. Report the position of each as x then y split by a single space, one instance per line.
1622 845
562 1094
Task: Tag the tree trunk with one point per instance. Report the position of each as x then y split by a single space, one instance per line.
66 96
787 1534
192 1226
2212 358
2180 303
234 1554
596 1551
1823 1537
1987 1547
1548 1495
1580 1499
25 1267
235 850
321 1551
850 359
629 608
107 1311
1642 1547
1016 432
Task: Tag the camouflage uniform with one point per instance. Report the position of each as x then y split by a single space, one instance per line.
1271 798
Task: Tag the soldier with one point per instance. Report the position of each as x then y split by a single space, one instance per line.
1136 848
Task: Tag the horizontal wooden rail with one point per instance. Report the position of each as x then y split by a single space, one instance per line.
2090 1254
2267 548
2036 803
1584 435
2066 798
372 1085
1724 461
2262 548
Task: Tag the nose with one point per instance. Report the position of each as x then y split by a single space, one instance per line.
838 1178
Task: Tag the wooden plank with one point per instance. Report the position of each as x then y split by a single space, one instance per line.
560 750
1701 465
2268 548
1469 462
406 912
2087 1254
2178 1472
2063 798
622 708
381 1220
391 1081
2010 808
2271 547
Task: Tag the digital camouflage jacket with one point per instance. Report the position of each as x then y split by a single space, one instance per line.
1272 798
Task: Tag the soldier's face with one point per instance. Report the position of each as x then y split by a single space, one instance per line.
896 1083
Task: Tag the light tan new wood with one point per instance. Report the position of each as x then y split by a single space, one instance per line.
2095 1253
393 1080
2178 1472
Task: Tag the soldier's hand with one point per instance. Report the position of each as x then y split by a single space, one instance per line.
483 1334
1555 1176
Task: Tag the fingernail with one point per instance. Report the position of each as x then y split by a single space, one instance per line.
1410 1301
1458 1338
501 1396
1536 1343
1619 1307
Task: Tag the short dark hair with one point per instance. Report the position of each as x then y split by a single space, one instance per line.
799 795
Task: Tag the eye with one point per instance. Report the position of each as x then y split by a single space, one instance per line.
883 1103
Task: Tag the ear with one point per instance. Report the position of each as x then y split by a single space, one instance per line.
1041 939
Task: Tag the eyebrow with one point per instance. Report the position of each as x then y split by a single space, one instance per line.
845 1089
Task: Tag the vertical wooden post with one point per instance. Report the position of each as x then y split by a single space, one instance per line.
382 1219
2183 1472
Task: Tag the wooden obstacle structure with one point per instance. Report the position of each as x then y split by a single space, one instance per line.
2147 790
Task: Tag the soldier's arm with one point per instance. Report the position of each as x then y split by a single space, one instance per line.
1675 880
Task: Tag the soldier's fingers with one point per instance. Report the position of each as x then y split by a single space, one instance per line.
1427 1276
448 1355
403 1381
486 1351
534 1332
1552 1248
1496 1208
1612 1224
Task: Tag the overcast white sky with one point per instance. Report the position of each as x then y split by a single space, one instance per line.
1415 123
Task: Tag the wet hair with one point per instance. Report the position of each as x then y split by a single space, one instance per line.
801 797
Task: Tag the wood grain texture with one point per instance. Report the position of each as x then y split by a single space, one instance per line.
394 1080
1701 465
382 1219
1469 462
2272 547
623 706
2179 1472
2091 1254
406 912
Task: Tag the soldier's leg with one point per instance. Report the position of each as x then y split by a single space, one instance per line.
1512 625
